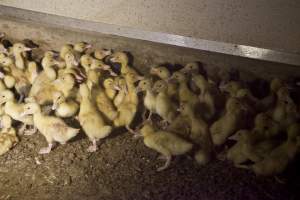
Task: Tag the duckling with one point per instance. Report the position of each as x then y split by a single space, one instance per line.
8 137
199 133
71 67
18 49
64 107
52 128
247 149
120 86
229 123
22 84
86 61
122 58
166 143
67 48
265 128
164 74
102 53
65 84
192 68
128 108
150 97
164 106
210 96
184 93
14 110
232 87
9 81
90 119
278 159
110 91
81 47
285 111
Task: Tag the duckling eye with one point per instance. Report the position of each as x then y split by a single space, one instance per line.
3 96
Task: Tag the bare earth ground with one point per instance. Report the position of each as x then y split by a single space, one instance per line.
123 168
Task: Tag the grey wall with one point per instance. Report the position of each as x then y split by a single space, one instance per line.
263 23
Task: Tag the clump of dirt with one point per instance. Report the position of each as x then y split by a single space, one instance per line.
123 168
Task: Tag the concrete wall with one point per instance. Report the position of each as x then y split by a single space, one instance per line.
263 23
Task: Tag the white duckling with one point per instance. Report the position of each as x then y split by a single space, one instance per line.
52 128
90 119
64 107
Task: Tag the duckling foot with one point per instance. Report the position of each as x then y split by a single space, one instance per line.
46 150
93 147
167 163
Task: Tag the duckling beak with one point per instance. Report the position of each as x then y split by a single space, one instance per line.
54 106
107 52
234 137
23 114
27 49
2 75
3 50
105 67
112 73
116 87
75 63
113 59
88 46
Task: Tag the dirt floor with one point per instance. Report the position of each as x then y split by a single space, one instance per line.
123 168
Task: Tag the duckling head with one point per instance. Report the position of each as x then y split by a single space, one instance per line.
108 83
178 77
102 53
20 47
58 98
160 86
144 85
276 84
70 59
86 61
147 129
6 122
65 49
191 68
5 96
185 109
6 61
82 46
231 87
31 108
119 57
243 93
161 72
233 105
9 81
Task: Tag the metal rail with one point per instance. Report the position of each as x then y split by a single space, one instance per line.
164 38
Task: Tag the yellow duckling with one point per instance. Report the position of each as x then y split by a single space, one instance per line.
232 87
199 134
22 84
166 143
285 111
65 84
52 128
164 107
15 110
18 49
265 127
150 97
128 107
81 47
31 72
210 96
102 53
191 68
9 81
278 159
121 86
103 103
122 58
90 119
67 48
229 123
184 93
164 74
86 61
64 107
8 137
108 85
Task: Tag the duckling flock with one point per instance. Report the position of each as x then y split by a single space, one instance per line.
184 111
